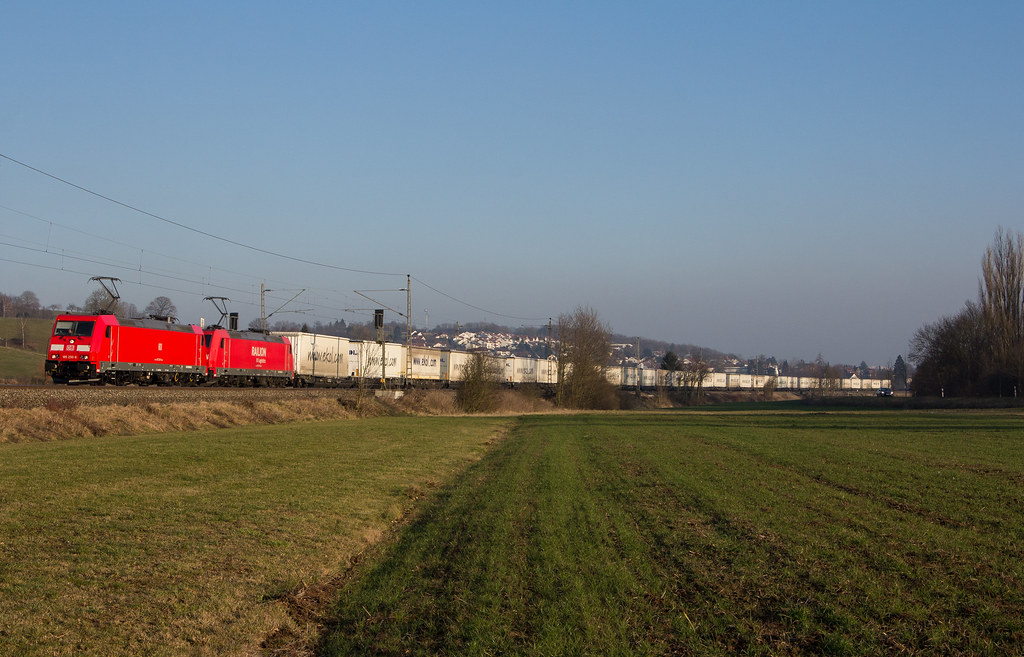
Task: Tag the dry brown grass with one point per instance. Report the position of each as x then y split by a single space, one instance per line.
55 423
63 413
443 402
430 402
516 401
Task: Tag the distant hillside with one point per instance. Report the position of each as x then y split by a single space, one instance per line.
657 348
19 366
25 334
23 345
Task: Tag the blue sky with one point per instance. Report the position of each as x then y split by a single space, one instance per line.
787 178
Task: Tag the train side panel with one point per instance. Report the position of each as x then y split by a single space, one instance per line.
318 359
241 357
369 358
458 363
547 371
524 370
426 364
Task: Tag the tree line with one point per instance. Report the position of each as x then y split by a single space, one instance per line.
979 351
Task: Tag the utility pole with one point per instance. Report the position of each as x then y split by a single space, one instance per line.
378 322
408 327
407 314
639 367
263 307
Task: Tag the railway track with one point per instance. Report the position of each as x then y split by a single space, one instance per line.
31 396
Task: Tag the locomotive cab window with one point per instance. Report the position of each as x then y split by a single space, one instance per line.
77 329
207 341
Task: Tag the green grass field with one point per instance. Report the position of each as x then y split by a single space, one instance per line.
23 362
190 543
37 333
692 533
688 532
21 366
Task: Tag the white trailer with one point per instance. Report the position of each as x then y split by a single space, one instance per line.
458 363
613 373
365 358
547 371
426 364
318 359
524 370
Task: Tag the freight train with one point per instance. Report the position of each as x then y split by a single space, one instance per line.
107 349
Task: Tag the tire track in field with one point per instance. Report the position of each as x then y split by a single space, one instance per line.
895 504
705 558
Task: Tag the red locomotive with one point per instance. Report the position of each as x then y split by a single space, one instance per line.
245 358
106 349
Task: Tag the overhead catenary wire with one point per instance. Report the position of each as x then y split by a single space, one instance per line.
47 248
250 247
193 229
483 310
104 238
206 285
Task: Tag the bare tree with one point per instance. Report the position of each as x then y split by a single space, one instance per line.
99 303
478 391
161 307
980 350
361 331
26 304
1001 294
695 372
583 350
827 377
949 354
